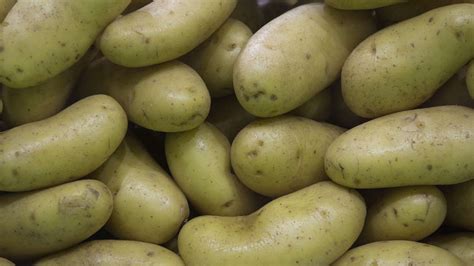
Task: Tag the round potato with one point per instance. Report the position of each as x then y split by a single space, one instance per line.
460 244
312 226
36 223
62 148
460 199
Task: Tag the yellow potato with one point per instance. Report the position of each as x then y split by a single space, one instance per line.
361 4
5 6
36 223
62 148
460 244
460 199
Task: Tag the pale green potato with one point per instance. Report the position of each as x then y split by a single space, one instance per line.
397 253
361 4
163 30
280 155
313 226
460 244
113 253
5 262
470 79
401 66
62 148
430 146
5 7
214 59
42 38
460 199
36 223
148 205
169 97
284 64
317 108
199 161
404 213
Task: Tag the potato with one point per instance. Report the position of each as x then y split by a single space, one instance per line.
61 32
398 252
460 199
280 155
5 6
163 30
430 146
5 262
199 161
404 213
148 205
312 226
460 244
317 108
400 67
35 223
169 97
113 252
284 64
62 148
214 59
361 4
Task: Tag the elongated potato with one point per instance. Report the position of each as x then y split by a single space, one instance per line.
460 199
5 6
460 244
113 252
400 67
398 252
313 226
28 58
280 155
36 223
199 161
5 262
148 205
295 56
431 146
361 4
169 97
163 30
62 148
405 213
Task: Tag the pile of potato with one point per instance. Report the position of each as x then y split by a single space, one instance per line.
236 132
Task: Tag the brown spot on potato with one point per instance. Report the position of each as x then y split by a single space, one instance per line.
260 143
252 153
15 172
308 56
94 192
395 212
150 254
430 19
228 203
273 97
429 167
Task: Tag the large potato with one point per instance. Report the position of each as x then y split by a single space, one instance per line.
313 226
168 97
400 67
397 252
405 213
361 4
460 199
295 56
460 244
5 6
148 205
113 252
280 155
163 30
199 161
44 221
62 148
42 38
431 146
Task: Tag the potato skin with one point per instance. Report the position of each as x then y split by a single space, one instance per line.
460 244
404 213
113 252
62 148
397 252
361 4
72 27
460 199
285 64
378 76
148 205
430 146
312 226
199 161
280 155
162 31
35 223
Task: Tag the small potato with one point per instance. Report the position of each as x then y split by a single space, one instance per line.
277 156
169 97
460 244
317 108
163 30
214 59
5 6
36 223
62 148
361 4
113 252
405 213
199 161
5 262
460 199
397 252
312 226
431 146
